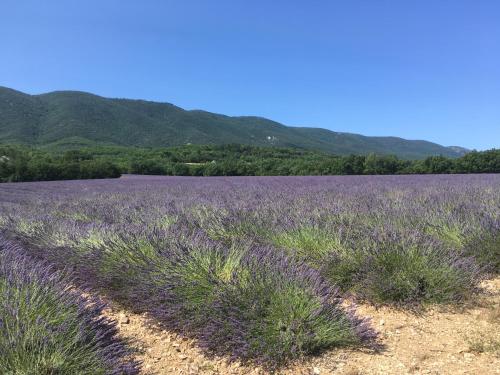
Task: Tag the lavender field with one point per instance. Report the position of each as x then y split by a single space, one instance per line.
258 269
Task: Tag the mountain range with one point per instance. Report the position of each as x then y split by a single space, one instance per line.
70 119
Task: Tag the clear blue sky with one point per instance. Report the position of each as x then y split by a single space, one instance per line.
426 69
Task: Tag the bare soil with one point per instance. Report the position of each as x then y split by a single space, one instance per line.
437 341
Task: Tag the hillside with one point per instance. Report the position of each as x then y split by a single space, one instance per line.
69 118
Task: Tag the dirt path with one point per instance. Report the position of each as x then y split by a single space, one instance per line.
438 342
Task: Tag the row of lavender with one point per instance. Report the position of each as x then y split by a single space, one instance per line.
257 267
48 328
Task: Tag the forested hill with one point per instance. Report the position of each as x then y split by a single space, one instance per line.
69 119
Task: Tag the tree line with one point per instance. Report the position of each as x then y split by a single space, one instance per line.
18 163
22 164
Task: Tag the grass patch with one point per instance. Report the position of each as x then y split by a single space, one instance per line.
485 343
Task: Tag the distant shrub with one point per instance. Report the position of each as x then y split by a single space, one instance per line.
45 328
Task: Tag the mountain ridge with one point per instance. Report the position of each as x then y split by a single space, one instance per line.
74 118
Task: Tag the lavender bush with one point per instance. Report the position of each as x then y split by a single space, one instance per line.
46 328
275 310
391 267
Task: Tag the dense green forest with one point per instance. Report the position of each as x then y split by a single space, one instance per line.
21 163
24 164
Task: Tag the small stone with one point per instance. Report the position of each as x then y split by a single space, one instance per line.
123 319
468 356
182 356
316 371
382 322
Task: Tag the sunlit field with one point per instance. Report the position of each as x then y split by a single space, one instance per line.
262 270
